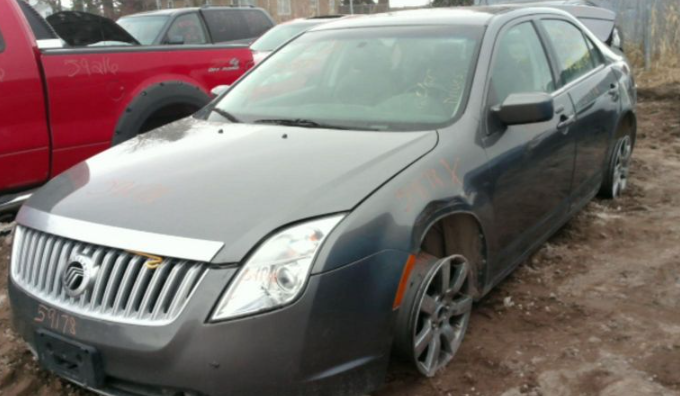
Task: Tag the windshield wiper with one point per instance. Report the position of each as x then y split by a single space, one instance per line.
225 114
301 122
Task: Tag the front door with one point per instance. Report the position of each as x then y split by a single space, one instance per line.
531 165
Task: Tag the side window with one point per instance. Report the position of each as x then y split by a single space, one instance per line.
257 22
520 65
226 25
2 43
187 29
573 55
598 58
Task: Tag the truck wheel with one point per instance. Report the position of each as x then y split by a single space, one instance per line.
158 105
435 314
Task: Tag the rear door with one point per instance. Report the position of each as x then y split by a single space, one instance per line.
592 87
24 135
531 165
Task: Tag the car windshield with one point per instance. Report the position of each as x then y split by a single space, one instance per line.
145 29
395 78
279 35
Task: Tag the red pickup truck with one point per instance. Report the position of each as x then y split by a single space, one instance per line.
60 106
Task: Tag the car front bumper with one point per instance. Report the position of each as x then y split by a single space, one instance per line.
335 340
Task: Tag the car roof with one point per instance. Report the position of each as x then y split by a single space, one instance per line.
173 11
478 15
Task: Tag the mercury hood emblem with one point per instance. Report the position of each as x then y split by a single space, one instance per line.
79 275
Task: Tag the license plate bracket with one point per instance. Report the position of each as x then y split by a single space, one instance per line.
72 360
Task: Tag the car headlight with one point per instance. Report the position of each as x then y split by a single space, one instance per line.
278 271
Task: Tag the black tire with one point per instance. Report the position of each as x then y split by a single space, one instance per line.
617 173
433 318
158 105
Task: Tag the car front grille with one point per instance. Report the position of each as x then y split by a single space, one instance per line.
125 287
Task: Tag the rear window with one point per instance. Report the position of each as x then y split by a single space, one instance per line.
233 25
257 22
574 57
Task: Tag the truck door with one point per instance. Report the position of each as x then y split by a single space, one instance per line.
24 134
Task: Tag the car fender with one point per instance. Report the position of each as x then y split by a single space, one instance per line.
398 215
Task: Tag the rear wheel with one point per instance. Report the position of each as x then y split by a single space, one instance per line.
618 170
436 312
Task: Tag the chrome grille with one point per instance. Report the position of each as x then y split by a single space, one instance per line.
125 288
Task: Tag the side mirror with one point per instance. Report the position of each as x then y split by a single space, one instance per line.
219 90
526 108
176 40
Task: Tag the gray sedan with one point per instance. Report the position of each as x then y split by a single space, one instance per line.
344 203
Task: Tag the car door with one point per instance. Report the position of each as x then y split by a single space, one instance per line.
24 135
531 165
592 86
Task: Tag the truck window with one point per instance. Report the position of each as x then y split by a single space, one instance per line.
257 22
145 29
187 29
227 25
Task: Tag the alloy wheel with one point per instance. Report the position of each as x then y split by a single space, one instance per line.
621 166
442 316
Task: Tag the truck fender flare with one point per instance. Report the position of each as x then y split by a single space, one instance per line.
138 116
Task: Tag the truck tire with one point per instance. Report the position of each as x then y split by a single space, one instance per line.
156 106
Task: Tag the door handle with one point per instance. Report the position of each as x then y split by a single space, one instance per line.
565 123
614 92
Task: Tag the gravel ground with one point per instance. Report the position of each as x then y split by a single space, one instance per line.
595 312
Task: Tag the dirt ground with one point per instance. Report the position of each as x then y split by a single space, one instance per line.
595 312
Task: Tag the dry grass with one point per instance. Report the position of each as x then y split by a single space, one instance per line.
658 76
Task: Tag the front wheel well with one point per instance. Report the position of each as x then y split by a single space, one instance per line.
459 233
158 105
168 114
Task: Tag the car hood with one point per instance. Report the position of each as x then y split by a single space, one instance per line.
81 29
228 183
